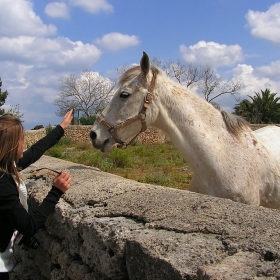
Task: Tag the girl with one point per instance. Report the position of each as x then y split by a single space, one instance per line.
13 193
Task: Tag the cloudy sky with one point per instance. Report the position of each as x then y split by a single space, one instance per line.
41 41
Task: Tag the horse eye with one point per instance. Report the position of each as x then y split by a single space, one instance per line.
124 94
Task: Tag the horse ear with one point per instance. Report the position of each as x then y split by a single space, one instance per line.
145 64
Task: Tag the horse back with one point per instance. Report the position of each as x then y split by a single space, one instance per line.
269 136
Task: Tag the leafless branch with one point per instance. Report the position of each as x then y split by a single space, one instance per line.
88 93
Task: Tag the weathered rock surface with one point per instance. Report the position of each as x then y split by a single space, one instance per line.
107 227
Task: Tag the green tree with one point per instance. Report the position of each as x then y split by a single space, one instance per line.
87 120
36 127
3 96
13 110
261 108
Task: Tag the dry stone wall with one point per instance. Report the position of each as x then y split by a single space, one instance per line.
32 136
80 134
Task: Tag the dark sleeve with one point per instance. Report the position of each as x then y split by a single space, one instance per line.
29 223
37 150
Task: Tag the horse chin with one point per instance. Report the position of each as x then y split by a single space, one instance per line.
104 145
109 147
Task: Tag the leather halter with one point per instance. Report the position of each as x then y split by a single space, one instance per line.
140 116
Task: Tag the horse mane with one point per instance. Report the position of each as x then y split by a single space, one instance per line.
235 124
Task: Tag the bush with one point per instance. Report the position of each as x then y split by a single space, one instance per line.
120 158
49 128
56 152
87 120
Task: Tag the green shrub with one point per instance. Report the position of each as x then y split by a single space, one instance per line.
65 141
49 128
56 152
120 158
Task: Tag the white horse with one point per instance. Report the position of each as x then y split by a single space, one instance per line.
227 158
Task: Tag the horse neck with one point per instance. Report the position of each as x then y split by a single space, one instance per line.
190 122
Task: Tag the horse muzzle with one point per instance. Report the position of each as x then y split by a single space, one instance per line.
103 144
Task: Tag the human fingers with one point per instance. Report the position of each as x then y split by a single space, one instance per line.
66 121
64 177
62 181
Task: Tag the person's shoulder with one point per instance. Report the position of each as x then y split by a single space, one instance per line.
7 184
4 176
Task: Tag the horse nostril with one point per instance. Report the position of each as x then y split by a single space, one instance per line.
92 135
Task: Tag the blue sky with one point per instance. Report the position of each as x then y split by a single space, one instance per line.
41 41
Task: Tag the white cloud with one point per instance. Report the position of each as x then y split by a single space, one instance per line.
243 69
212 53
30 68
18 18
31 63
57 10
254 81
265 25
272 71
44 52
116 41
34 89
93 6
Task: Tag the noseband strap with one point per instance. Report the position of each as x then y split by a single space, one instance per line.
140 116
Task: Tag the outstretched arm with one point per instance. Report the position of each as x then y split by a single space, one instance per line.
37 150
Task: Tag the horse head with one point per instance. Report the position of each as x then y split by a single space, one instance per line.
127 114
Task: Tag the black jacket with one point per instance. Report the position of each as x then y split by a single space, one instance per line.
13 215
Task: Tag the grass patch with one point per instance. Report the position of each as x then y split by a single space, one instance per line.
157 164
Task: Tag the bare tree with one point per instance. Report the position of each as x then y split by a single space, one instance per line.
121 69
207 81
185 74
157 61
88 93
212 86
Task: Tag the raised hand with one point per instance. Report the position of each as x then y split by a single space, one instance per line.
66 121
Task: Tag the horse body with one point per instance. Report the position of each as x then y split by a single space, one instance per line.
227 158
269 139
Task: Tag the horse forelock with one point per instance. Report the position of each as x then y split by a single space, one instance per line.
133 72
129 75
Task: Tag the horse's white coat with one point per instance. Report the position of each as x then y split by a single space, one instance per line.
244 168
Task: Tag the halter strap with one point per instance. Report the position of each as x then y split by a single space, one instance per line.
140 116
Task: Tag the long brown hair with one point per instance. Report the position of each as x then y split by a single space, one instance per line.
11 131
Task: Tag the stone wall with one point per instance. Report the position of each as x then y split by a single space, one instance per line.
80 133
32 136
107 227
